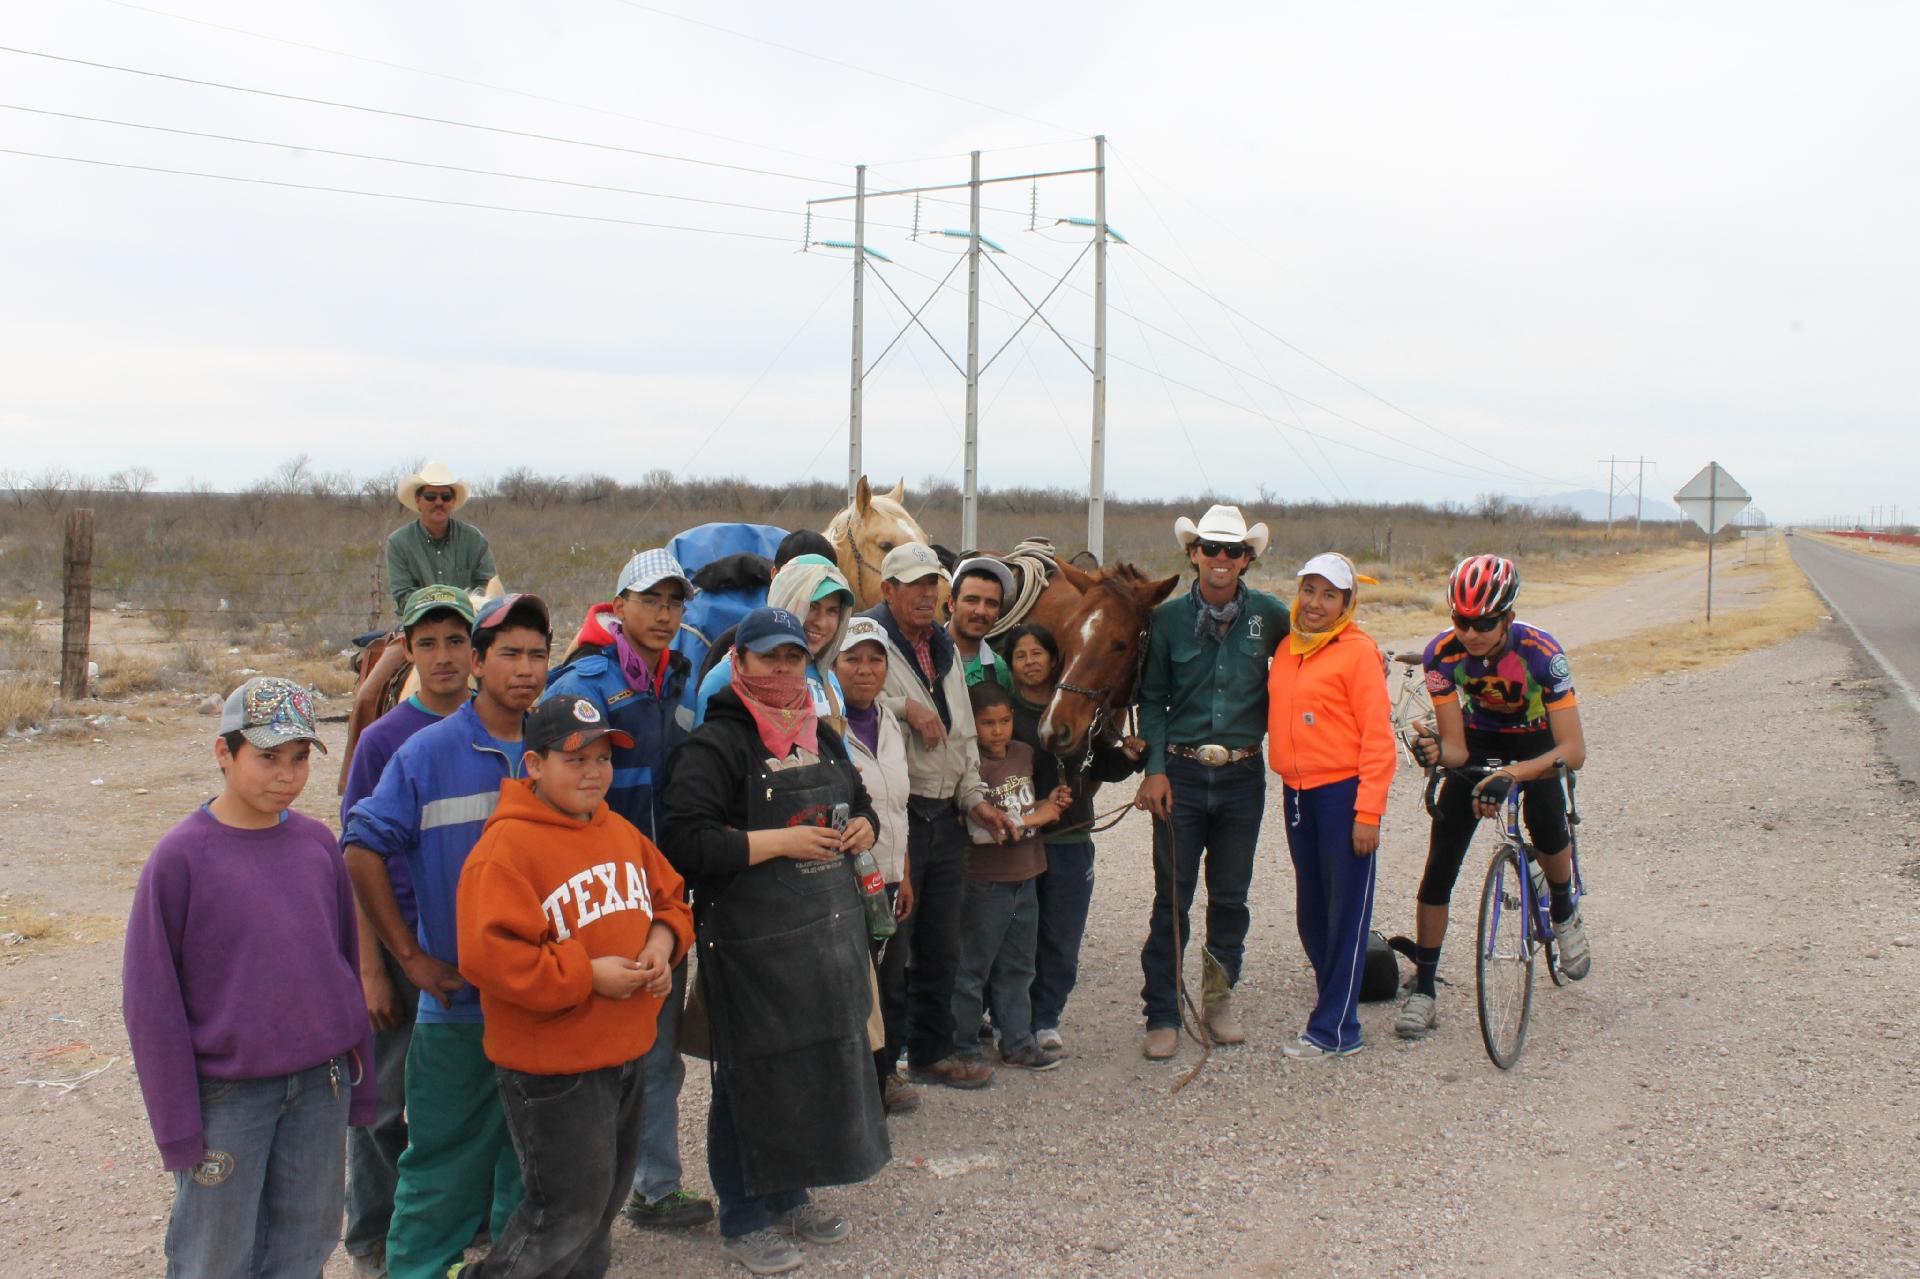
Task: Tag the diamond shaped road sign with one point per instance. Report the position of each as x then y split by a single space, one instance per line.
1712 497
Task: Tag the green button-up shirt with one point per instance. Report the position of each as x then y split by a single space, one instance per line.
461 559
1196 692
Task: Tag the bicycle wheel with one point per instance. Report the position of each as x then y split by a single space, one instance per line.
1503 962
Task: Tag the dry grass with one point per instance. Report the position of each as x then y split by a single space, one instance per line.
25 700
26 926
1790 608
1893 552
128 673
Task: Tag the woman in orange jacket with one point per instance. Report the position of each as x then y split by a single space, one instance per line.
1330 737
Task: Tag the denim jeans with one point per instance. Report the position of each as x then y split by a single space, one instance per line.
657 1174
1065 892
936 855
739 1215
577 1137
1216 819
266 1200
890 959
998 924
373 1152
1333 905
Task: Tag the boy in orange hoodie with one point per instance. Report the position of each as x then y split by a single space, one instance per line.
570 923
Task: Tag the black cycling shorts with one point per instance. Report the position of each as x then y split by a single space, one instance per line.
1543 810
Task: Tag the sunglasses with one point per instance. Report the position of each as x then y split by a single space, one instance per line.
1479 625
435 495
1232 550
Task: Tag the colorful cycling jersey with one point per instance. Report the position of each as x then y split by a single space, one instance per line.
1510 692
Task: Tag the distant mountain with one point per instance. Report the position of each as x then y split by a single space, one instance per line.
1591 504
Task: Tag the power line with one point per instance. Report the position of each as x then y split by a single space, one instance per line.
426 164
390 195
425 119
850 66
470 83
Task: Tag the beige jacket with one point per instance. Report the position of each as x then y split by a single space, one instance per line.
885 775
950 770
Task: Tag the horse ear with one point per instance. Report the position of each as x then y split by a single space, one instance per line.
1160 590
1079 580
899 493
863 496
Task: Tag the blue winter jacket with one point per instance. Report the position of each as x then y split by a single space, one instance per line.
657 720
432 800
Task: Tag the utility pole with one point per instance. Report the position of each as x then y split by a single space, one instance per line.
854 462
1615 488
1640 494
970 493
1097 474
1609 462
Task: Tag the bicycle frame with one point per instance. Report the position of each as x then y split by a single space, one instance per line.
1535 903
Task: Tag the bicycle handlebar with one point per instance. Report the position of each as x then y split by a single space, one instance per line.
1437 774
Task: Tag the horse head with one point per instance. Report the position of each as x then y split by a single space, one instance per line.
1102 645
862 534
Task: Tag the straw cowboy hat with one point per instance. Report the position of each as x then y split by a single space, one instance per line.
432 475
1222 524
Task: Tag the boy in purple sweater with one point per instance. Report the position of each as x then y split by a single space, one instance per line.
241 994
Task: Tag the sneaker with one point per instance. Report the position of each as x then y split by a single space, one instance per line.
1050 1040
813 1223
1304 1049
1576 956
1417 1016
1031 1056
1161 1043
763 1252
954 1072
898 1096
678 1211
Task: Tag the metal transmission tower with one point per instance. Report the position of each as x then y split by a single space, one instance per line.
1620 488
970 496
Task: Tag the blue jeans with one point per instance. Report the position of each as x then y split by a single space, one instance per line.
1333 904
265 1203
657 1175
373 1152
739 1215
998 923
1216 814
1065 890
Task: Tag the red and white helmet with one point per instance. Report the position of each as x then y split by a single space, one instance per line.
1482 585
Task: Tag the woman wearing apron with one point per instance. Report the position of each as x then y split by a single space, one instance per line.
763 810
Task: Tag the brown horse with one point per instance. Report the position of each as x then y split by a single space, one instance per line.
862 534
1103 642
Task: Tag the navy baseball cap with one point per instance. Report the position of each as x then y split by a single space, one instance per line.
766 629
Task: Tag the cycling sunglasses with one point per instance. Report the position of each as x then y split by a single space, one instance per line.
435 495
1480 625
1232 550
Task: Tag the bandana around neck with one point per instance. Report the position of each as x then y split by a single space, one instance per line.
782 709
632 665
1210 620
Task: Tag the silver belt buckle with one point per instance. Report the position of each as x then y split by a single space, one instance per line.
1212 756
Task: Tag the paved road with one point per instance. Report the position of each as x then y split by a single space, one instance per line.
1879 602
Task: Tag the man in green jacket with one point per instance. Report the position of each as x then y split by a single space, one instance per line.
1203 712
436 548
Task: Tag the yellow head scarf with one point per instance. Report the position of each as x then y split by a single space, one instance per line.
1333 566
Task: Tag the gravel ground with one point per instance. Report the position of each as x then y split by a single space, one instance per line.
1730 1092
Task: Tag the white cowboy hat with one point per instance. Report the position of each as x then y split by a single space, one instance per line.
1222 524
432 475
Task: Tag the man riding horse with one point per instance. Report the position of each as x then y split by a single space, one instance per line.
436 548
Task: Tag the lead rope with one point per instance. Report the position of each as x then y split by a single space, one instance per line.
1190 1019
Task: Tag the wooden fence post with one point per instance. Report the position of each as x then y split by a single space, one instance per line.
76 605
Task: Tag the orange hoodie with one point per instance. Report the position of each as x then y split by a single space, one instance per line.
1328 719
541 896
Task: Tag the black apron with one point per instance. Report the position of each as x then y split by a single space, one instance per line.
783 954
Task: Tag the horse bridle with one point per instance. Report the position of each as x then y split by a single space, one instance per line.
860 566
1102 697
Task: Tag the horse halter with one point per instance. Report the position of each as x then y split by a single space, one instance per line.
1102 696
860 566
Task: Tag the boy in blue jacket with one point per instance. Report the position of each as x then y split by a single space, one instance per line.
638 683
432 800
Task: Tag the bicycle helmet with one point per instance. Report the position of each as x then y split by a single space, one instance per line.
1482 585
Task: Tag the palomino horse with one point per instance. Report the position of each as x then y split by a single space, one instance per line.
386 679
1103 642
862 534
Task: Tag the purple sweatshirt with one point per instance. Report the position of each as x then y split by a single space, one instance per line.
376 746
242 962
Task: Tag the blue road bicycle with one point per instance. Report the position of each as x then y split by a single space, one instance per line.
1515 920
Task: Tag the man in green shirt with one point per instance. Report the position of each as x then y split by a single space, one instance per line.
981 587
1203 712
436 548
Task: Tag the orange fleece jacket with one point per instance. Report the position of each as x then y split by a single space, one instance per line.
541 896
1328 719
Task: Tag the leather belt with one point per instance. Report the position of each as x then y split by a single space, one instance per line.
1211 756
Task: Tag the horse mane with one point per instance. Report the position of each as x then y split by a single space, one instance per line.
745 571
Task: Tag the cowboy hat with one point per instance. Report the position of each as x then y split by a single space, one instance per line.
1222 524
432 475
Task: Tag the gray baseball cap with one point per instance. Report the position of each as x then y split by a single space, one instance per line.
271 712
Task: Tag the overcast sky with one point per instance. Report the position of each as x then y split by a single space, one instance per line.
1466 248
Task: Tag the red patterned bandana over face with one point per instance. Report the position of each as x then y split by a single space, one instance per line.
782 709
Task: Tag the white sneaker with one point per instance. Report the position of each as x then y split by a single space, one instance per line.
1576 955
1049 1039
1417 1016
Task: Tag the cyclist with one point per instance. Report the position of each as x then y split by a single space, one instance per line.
1502 694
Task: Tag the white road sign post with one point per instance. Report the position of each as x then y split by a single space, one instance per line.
1710 499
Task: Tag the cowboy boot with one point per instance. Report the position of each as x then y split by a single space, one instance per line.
1216 1002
